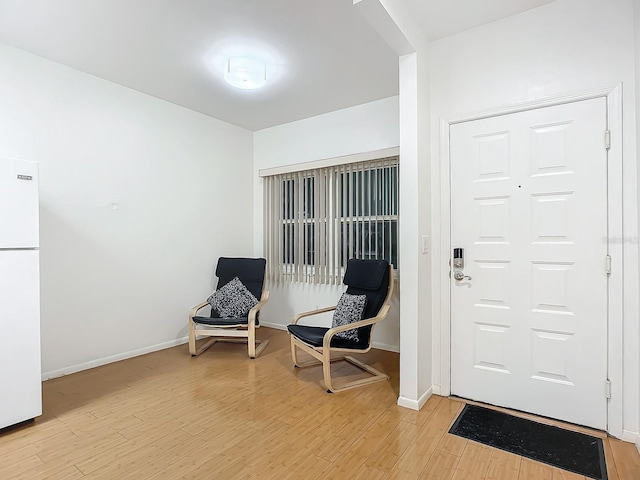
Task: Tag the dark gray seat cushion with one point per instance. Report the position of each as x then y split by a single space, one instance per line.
222 322
315 335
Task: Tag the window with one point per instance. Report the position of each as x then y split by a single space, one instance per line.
315 220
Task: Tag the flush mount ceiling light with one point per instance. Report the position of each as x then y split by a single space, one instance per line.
245 73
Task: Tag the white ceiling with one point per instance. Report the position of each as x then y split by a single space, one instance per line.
441 18
322 55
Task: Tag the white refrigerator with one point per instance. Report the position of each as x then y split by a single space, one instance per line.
20 370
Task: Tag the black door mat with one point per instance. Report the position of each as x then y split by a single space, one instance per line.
572 451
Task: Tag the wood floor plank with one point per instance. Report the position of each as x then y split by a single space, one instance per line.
73 447
90 425
393 446
148 460
530 470
23 451
371 439
503 465
115 454
346 466
187 463
626 458
612 472
474 462
367 472
13 467
411 464
564 475
26 434
311 470
210 456
452 444
331 446
440 466
57 471
167 415
432 433
424 414
289 462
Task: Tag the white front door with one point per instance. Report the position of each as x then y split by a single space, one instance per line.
529 208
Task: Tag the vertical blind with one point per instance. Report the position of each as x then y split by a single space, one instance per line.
315 220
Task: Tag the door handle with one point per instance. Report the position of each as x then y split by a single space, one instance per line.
458 275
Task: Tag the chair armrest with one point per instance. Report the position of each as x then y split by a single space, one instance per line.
256 308
194 310
312 312
326 341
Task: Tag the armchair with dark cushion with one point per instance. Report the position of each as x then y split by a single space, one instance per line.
250 273
371 278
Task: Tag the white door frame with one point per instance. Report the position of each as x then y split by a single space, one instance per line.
442 309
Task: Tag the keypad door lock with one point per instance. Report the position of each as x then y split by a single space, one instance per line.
458 264
458 258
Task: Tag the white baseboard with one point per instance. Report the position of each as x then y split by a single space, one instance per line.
388 348
436 389
113 358
415 404
631 437
277 326
378 345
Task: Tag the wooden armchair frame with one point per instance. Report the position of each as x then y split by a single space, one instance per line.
228 333
323 355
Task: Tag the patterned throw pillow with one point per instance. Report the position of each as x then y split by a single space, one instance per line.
233 300
349 309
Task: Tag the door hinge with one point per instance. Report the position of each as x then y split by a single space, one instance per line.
607 139
607 388
607 263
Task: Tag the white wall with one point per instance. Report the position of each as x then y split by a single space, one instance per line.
564 47
138 199
364 128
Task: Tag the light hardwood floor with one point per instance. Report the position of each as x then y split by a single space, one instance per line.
222 416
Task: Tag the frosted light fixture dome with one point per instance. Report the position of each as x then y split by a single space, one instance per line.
245 73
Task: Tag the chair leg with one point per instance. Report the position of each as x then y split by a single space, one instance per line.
192 338
326 370
254 350
252 343
294 352
378 376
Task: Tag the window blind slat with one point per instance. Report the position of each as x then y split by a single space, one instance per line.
317 230
315 220
301 234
